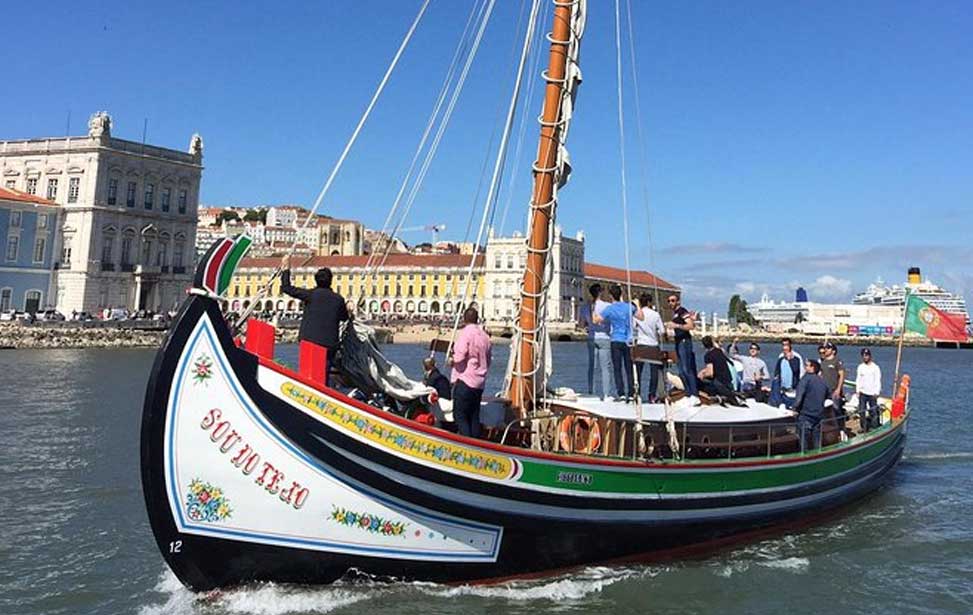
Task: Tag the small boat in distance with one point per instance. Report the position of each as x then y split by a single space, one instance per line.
253 472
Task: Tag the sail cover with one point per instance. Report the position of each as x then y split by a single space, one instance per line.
570 92
365 366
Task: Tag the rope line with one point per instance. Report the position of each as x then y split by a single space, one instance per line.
498 165
342 157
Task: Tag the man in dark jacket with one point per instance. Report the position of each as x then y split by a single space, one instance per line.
434 378
324 309
812 391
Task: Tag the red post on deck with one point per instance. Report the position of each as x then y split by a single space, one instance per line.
260 338
312 362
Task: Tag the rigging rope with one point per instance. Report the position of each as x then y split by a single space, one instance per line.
498 166
621 150
344 153
430 154
437 107
643 158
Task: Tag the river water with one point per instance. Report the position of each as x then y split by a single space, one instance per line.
74 537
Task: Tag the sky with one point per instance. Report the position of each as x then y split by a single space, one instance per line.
821 144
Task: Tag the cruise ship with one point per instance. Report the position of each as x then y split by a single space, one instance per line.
938 297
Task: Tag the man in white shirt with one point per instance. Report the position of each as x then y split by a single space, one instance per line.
868 384
599 343
754 368
649 332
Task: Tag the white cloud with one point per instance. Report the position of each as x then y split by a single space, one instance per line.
830 287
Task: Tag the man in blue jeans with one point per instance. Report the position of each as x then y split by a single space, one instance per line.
599 344
618 315
682 324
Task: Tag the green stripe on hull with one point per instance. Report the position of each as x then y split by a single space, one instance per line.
658 480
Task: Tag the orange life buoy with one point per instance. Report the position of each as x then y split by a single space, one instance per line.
567 433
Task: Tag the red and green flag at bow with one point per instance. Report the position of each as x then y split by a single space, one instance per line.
922 318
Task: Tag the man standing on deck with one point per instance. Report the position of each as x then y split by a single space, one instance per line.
324 309
788 371
599 344
649 332
868 385
618 316
811 394
471 357
833 372
683 322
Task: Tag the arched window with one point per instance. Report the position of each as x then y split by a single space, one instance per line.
162 256
434 307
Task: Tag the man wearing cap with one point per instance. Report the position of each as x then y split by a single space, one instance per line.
833 372
868 385
812 392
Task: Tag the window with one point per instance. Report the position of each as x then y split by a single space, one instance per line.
126 250
112 191
11 183
510 261
130 195
182 201
31 185
160 259
6 295
13 245
498 262
41 221
39 247
15 218
66 257
32 301
146 251
74 187
52 188
166 194
149 195
107 243
177 251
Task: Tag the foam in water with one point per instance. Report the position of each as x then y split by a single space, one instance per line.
272 599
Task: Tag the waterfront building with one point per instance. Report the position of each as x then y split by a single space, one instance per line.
28 229
405 286
128 215
641 282
505 260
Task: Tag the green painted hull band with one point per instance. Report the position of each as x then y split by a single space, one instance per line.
689 481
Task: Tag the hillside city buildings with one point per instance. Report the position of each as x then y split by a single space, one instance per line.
127 223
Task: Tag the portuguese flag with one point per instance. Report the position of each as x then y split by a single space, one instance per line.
922 318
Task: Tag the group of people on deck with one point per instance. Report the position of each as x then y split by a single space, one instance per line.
728 374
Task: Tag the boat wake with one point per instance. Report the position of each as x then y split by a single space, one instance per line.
939 457
273 599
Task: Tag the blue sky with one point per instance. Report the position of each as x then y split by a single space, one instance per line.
812 143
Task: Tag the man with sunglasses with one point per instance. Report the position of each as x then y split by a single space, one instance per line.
754 368
682 324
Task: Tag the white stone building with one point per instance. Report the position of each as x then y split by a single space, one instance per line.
128 228
506 259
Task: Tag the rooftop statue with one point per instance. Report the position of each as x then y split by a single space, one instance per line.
196 145
99 125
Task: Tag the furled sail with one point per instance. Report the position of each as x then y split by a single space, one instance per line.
369 370
572 81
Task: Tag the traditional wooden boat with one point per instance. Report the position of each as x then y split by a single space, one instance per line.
254 472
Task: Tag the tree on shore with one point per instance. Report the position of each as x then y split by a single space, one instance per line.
737 311
227 215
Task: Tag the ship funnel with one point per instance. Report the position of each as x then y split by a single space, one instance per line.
915 277
801 295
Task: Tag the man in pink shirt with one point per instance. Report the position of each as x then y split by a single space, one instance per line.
471 361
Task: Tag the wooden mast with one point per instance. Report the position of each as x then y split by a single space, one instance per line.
521 393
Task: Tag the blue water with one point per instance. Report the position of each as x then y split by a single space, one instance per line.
74 537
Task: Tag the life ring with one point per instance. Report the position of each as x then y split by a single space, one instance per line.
567 429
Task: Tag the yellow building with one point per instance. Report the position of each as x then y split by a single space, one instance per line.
405 286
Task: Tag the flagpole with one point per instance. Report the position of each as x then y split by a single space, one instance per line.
898 354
